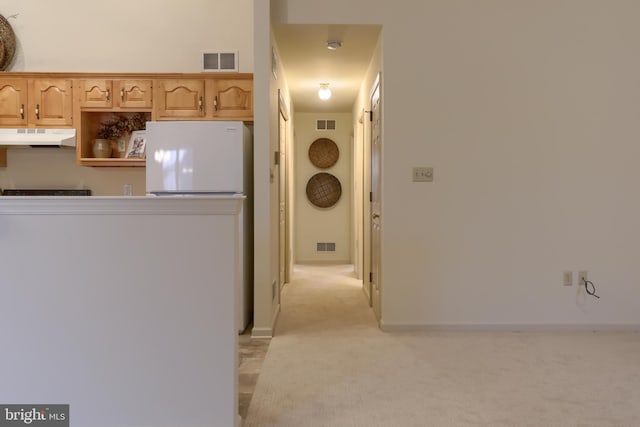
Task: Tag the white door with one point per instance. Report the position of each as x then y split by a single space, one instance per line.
376 223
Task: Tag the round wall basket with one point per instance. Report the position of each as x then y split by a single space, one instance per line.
324 190
323 153
7 43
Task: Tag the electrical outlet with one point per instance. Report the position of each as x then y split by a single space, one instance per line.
582 277
422 174
567 278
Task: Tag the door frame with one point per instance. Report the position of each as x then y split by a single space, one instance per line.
375 205
361 197
284 202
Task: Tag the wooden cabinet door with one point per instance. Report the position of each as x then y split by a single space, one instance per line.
13 102
95 93
233 99
179 99
51 102
134 93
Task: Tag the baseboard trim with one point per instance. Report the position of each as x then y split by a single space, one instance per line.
326 262
267 333
366 294
261 333
274 320
510 327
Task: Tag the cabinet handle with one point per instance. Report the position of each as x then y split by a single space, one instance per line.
108 95
121 95
37 111
22 111
200 104
215 103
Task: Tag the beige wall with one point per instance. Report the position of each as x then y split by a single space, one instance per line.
528 113
128 36
313 224
56 168
266 87
118 36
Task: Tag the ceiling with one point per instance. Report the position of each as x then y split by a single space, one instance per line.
307 62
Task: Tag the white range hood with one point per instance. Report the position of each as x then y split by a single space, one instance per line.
37 137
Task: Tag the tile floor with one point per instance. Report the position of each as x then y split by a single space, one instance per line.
251 356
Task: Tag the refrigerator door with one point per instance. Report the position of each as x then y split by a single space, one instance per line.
194 157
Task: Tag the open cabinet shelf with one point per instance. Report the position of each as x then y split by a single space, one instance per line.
90 124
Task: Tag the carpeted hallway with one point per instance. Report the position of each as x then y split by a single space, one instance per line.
329 365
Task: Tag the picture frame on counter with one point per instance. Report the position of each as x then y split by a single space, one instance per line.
137 145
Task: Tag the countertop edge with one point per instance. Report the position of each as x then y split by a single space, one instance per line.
121 205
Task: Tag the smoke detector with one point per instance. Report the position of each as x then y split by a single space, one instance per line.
334 44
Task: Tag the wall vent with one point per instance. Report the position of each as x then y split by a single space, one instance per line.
226 61
328 124
325 246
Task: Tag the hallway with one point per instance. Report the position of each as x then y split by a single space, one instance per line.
322 298
329 365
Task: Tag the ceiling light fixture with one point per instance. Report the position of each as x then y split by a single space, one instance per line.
324 92
333 44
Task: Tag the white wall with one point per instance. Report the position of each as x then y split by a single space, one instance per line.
313 224
128 36
266 87
118 36
528 113
113 318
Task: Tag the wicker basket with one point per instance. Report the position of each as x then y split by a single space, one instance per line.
324 190
323 153
7 43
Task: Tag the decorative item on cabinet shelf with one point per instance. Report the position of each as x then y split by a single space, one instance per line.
101 148
118 130
137 145
119 146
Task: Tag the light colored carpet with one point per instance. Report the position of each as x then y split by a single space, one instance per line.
329 365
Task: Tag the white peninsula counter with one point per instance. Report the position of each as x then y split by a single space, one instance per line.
121 307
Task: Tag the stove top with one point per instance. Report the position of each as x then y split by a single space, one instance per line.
45 192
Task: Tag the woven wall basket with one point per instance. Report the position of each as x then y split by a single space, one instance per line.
323 153
7 43
324 190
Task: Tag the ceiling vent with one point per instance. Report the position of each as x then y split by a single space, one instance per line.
224 62
325 124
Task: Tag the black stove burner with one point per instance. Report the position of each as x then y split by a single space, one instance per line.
45 192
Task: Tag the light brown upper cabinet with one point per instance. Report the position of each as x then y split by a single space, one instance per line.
115 94
204 99
179 99
36 102
233 99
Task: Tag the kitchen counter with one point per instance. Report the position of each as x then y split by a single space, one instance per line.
122 307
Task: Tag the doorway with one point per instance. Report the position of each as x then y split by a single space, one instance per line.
324 235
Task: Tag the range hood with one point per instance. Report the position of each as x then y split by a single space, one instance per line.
37 137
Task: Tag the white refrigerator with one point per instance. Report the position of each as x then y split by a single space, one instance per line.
207 158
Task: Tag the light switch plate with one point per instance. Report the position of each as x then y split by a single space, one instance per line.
422 174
